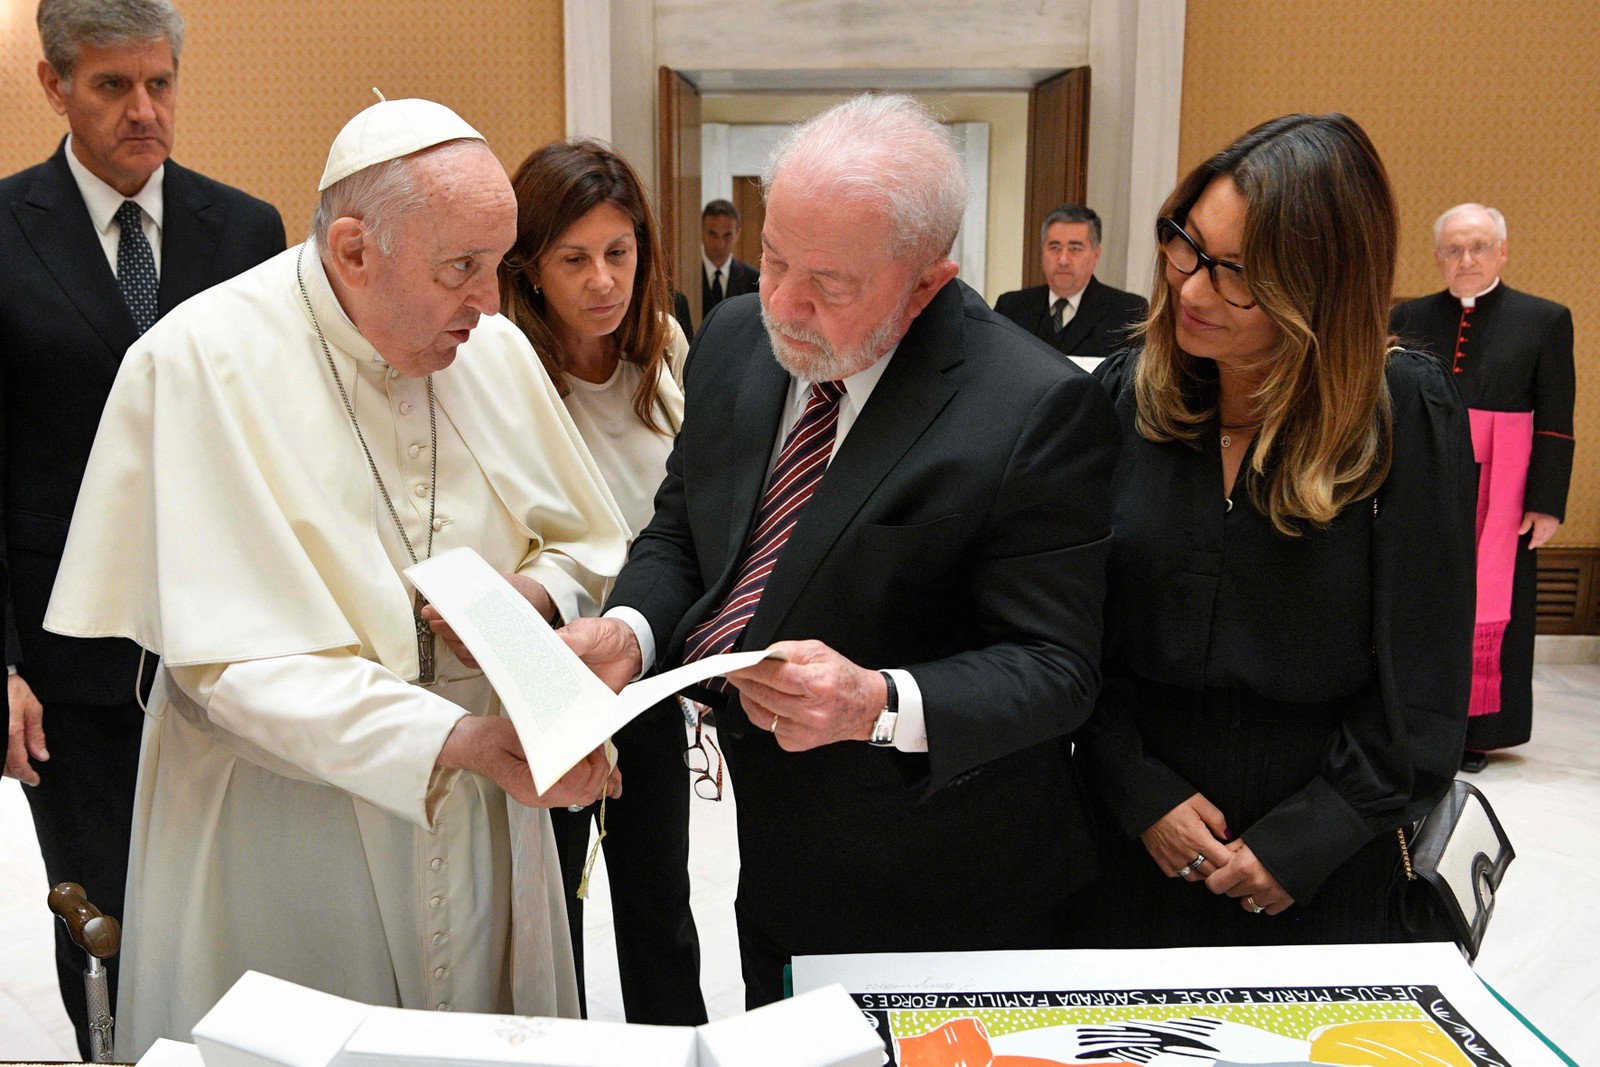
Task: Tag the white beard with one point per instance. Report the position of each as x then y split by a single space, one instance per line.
826 365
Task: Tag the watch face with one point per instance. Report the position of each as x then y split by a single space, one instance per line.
883 729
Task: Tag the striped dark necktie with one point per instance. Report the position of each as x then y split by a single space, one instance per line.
801 464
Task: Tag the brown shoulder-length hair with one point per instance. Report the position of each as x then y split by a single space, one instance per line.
1320 235
556 186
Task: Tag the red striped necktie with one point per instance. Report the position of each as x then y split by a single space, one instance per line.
801 464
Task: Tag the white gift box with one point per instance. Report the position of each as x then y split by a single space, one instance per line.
267 1022
393 1037
823 1028
166 1053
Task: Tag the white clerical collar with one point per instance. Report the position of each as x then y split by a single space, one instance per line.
1073 299
1472 301
337 327
103 201
711 268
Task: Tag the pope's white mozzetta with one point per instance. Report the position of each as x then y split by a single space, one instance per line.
291 817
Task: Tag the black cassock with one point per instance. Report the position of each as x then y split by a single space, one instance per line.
1313 688
1509 352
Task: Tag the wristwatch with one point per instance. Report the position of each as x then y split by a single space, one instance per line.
883 729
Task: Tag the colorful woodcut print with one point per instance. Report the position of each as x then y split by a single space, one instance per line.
1336 1026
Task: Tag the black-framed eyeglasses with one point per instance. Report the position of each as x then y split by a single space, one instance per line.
701 756
1185 257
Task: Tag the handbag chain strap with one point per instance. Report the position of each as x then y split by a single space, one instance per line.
1405 854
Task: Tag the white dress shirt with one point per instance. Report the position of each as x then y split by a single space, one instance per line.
911 729
103 202
1072 303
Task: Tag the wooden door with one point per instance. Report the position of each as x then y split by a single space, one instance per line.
678 182
1058 157
752 214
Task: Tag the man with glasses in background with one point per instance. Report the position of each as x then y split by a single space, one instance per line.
1511 356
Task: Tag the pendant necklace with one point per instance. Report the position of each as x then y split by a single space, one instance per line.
425 636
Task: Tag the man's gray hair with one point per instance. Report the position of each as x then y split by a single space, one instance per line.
1071 213
1461 209
888 150
66 25
379 195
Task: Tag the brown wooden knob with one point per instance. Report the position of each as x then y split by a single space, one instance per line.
98 935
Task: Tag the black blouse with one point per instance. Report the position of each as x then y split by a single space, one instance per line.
1373 612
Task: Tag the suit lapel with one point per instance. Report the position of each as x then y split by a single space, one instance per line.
909 396
757 414
1045 327
190 231
1083 319
57 225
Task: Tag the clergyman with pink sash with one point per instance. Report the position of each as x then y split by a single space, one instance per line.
1511 355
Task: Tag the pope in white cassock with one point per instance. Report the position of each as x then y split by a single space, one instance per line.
316 799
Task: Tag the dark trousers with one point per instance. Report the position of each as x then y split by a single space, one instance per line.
83 814
647 859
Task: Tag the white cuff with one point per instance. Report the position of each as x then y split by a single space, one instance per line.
911 728
10 670
647 640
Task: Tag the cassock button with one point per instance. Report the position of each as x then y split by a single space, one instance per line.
439 972
440 938
393 373
422 490
443 1007
405 407
415 450
436 903
435 863
438 524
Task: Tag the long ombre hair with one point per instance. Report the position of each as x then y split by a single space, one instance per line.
1320 236
556 186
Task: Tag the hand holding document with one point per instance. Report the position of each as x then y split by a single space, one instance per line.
562 712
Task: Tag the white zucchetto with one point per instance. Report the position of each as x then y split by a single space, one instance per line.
389 130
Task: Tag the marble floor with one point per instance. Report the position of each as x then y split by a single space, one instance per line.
1540 954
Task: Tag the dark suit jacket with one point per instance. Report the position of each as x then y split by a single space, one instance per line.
961 532
741 278
1516 356
1099 328
63 330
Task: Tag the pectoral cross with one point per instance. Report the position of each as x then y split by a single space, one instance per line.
425 642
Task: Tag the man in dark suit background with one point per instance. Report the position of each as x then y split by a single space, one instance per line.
1511 355
721 275
882 476
1073 310
78 291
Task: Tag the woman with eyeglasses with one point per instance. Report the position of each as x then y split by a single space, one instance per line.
1289 614
587 283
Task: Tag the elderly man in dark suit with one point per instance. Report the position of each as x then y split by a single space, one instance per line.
1511 354
1073 311
881 478
98 241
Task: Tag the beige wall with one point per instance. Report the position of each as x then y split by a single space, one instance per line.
1007 116
265 84
1471 100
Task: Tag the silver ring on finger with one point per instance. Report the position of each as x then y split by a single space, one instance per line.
1194 865
772 727
1255 909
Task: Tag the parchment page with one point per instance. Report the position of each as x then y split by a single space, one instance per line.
562 712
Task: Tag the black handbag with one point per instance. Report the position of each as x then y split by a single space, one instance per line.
1451 867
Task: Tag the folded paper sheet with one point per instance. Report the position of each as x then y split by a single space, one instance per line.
562 712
